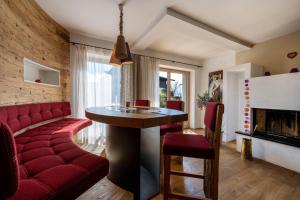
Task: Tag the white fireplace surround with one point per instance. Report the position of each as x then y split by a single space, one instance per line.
281 92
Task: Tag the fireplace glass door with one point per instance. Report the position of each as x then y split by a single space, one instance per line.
278 122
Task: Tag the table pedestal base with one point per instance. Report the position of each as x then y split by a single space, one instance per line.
134 158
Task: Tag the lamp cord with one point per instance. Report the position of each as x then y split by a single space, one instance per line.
121 18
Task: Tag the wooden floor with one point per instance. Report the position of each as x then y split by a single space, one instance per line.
239 180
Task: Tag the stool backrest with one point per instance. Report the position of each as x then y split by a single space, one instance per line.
175 104
142 102
213 123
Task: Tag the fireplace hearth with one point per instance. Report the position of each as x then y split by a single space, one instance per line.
281 126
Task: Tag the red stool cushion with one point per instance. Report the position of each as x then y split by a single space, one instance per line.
141 102
166 128
9 168
187 145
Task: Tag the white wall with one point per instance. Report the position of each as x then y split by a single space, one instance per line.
233 100
213 64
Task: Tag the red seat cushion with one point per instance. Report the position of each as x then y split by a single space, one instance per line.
187 145
9 171
166 128
52 166
141 102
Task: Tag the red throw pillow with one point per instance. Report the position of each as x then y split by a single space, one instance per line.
9 167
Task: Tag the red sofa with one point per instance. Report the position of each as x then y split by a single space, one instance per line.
49 165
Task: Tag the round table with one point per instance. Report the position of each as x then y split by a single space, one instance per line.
133 145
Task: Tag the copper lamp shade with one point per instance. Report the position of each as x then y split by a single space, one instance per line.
128 59
114 60
121 51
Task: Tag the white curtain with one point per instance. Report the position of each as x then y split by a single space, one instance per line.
141 80
127 84
148 80
95 83
78 76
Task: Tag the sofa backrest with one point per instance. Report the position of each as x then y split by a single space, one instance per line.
18 117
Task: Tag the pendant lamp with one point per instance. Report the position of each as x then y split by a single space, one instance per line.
114 60
127 60
121 52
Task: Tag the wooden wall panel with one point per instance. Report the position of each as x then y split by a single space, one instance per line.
27 31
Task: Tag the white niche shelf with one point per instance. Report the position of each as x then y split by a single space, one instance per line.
40 74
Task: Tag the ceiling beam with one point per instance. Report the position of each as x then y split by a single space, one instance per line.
148 36
208 28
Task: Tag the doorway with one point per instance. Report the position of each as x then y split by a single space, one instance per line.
174 85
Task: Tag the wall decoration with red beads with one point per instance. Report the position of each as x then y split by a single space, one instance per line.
246 107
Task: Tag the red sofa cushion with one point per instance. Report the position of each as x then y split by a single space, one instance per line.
141 102
52 166
9 171
187 145
21 116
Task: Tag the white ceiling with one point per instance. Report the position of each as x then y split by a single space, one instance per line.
147 26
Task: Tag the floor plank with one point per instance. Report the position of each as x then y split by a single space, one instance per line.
239 180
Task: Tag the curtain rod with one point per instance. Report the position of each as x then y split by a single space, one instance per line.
173 61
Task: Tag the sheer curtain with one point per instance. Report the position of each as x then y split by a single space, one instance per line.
95 83
148 80
141 80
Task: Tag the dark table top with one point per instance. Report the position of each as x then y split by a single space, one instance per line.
137 117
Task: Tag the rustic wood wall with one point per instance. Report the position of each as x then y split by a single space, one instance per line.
27 31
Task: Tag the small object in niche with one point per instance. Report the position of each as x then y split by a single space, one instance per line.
267 74
38 81
292 55
294 70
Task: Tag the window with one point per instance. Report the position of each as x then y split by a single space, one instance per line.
104 83
173 85
102 88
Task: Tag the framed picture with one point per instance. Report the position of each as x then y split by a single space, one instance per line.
215 85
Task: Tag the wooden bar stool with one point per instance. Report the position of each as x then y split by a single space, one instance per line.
166 128
171 128
196 146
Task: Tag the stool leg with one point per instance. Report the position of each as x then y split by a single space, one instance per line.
211 174
207 178
215 179
161 155
167 169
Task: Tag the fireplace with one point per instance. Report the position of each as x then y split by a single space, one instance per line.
281 126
